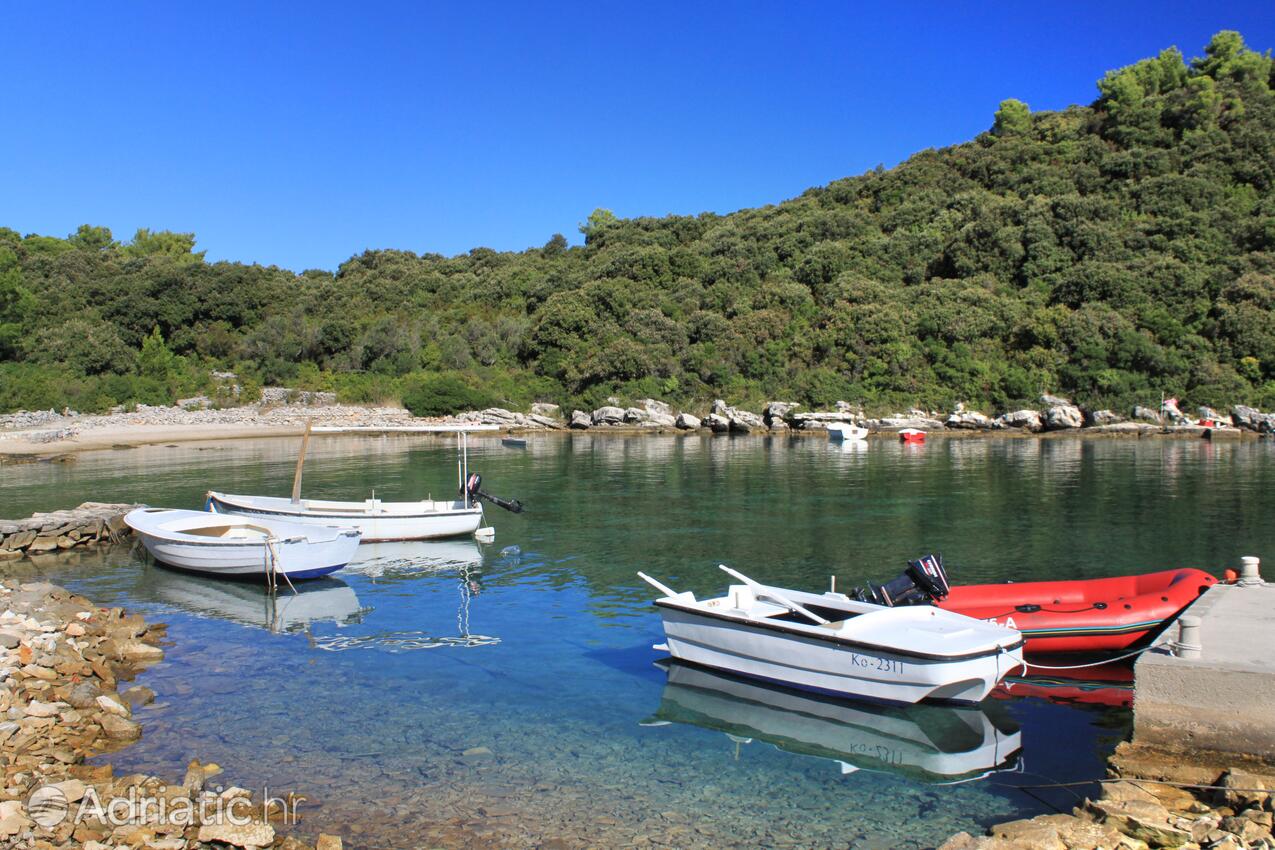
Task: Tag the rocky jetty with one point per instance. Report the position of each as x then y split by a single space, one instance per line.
63 662
91 522
1226 810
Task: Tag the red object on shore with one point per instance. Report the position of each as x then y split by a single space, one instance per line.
912 435
1086 615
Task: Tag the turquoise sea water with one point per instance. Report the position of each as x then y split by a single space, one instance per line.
458 694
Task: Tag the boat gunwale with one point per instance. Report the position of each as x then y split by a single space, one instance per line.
309 535
841 641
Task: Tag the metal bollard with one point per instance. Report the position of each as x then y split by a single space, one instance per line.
1250 571
1188 643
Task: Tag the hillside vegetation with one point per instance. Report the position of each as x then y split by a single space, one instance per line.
1110 252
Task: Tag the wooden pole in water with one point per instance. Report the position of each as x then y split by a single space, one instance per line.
296 479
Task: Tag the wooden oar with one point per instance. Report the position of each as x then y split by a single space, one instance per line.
763 590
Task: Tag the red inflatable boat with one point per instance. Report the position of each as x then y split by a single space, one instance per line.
1089 615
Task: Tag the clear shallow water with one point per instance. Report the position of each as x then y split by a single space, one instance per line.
364 692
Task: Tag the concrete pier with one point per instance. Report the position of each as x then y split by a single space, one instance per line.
1220 697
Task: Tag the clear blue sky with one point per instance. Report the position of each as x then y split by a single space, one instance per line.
300 134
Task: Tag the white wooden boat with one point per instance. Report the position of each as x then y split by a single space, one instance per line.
834 644
846 431
242 547
931 743
376 520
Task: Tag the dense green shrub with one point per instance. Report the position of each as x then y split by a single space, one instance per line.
441 395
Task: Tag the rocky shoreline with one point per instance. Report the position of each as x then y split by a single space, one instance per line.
288 411
64 662
1153 799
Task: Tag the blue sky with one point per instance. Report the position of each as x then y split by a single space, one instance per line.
299 134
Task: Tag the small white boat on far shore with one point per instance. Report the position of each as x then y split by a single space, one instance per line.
242 547
833 644
846 431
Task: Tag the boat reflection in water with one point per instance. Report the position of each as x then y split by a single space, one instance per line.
395 560
930 743
328 600
1107 684
385 563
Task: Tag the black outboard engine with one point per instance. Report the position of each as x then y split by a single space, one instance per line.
924 581
475 481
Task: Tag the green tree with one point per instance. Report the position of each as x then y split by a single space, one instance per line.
90 238
165 243
1013 118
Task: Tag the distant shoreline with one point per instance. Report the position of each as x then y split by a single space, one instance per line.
15 448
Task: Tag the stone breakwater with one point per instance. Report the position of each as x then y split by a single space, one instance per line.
62 663
1155 799
91 522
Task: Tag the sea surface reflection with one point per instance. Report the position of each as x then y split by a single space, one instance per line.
462 694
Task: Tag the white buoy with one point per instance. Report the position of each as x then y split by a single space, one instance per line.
486 534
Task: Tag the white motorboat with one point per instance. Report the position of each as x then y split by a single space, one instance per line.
378 521
242 547
846 431
834 644
931 743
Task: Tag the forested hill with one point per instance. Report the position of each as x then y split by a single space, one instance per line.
1109 252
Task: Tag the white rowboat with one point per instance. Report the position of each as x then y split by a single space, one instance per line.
377 521
833 644
242 547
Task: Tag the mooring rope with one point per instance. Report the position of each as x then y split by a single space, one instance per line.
1092 663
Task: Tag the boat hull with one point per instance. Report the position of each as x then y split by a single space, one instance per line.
297 560
1094 615
825 665
375 527
188 540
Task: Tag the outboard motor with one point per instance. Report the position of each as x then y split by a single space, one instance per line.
472 485
924 581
